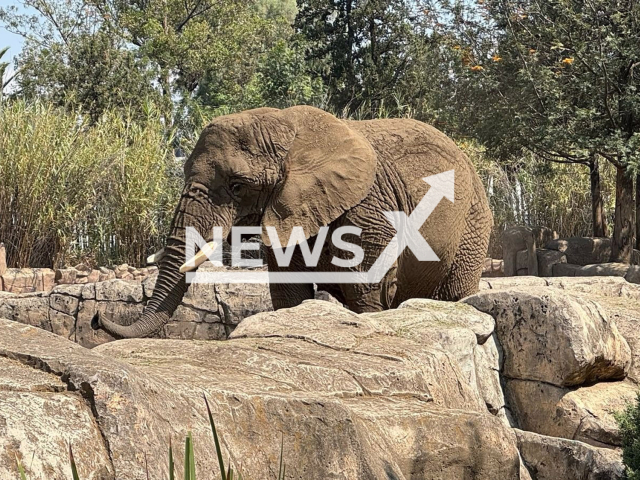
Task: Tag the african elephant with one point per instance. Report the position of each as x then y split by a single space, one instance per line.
304 167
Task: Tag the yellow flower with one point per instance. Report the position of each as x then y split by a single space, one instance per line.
477 68
567 61
456 47
496 58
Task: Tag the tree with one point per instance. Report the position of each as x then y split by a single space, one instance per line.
562 78
72 58
358 48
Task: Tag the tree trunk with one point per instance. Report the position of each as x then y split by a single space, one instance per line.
638 211
623 230
597 207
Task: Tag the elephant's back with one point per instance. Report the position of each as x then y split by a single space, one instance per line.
416 150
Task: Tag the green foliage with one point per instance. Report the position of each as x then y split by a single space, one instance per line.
359 48
629 424
23 475
532 191
100 193
72 463
558 78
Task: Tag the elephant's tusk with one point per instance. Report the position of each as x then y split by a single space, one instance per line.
156 257
199 258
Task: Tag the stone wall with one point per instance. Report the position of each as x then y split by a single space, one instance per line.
516 382
207 312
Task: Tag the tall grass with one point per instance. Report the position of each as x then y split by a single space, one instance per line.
71 192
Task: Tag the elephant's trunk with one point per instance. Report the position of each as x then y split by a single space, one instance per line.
171 283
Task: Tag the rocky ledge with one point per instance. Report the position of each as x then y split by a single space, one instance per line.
518 381
207 312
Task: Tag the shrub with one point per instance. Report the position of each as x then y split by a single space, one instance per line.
71 192
629 424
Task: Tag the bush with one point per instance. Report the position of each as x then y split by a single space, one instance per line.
533 192
629 424
71 192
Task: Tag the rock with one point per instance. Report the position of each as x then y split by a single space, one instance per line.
595 286
104 270
626 314
351 400
27 280
326 324
186 314
202 296
39 418
506 283
66 275
487 365
603 270
551 458
29 308
547 259
528 239
633 274
120 269
63 324
585 414
236 301
493 267
68 290
522 261
3 261
565 269
64 303
582 250
119 291
554 337
94 276
148 284
424 311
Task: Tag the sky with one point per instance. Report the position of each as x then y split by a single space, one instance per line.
11 40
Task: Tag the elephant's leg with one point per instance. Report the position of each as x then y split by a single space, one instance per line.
464 274
365 297
287 295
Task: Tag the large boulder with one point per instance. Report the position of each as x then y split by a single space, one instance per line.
550 458
547 259
584 414
582 250
459 329
27 280
40 417
352 398
554 337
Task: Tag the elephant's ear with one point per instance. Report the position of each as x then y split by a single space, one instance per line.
328 169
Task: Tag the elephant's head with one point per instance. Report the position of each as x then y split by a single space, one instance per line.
281 168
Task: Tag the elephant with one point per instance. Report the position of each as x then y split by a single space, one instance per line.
302 166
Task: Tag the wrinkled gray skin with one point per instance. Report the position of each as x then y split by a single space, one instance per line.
302 166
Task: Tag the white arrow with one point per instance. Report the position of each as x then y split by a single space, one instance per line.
408 228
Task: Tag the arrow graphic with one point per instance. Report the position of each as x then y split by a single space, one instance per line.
407 235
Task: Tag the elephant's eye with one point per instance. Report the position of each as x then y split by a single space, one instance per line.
236 188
